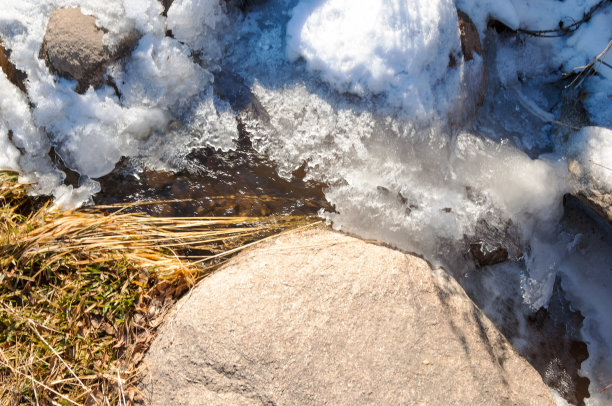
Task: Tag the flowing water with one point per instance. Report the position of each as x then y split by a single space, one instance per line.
238 124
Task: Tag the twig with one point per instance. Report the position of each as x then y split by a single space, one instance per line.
603 166
607 387
589 67
121 390
242 247
562 31
57 355
539 112
35 392
36 381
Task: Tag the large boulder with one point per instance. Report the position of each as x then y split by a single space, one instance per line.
317 317
73 47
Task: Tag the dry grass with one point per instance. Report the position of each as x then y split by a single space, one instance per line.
82 292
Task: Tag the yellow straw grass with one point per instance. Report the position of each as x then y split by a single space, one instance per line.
82 291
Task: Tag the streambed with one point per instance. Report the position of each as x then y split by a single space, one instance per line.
262 124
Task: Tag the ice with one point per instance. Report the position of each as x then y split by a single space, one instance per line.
419 189
200 24
597 103
27 147
161 73
9 155
578 255
369 47
587 278
11 110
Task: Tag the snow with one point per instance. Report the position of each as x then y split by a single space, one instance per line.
591 147
160 83
199 24
13 107
526 14
376 46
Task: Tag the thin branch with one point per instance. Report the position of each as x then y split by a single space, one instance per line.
539 112
603 166
58 356
36 381
35 391
562 31
121 390
589 68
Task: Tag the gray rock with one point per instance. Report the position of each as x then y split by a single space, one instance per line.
594 193
599 202
486 255
317 317
73 48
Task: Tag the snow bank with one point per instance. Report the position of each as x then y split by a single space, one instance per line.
526 14
375 46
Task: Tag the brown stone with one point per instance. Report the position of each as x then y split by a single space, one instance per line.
596 200
320 318
470 40
73 48
166 4
14 75
470 44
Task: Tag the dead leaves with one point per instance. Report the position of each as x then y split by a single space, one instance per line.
83 292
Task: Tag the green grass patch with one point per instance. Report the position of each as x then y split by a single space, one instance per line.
82 292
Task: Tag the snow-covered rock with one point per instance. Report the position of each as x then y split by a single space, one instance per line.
590 164
73 47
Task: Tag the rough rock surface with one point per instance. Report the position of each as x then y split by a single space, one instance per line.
317 317
599 202
73 47
596 200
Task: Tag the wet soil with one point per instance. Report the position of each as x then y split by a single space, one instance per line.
215 183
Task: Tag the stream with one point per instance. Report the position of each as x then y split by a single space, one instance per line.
254 114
